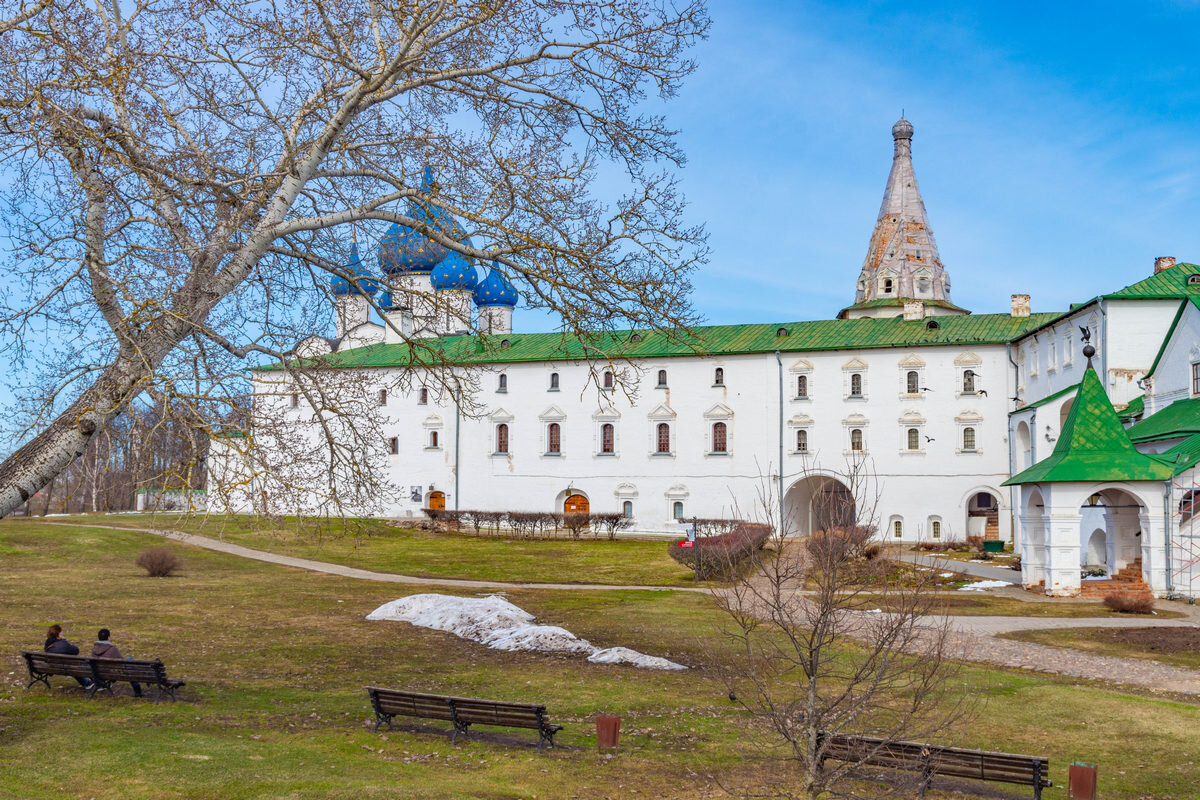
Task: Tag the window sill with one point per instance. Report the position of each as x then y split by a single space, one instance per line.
801 452
862 452
552 455
912 395
975 452
502 391
501 455
662 455
552 389
856 397
801 398
605 455
716 454
718 386
661 386
907 452
438 447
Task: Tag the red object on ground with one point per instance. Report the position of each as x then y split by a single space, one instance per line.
1082 782
607 730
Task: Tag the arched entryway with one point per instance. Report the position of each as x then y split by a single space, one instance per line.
576 504
1095 554
1112 519
437 501
983 514
817 503
1033 547
1024 451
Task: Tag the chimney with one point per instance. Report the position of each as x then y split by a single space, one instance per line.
914 309
1020 305
1163 262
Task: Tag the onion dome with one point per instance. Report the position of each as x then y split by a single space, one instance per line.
903 129
386 303
358 281
404 249
495 290
455 271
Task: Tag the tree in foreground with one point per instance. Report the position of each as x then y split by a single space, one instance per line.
182 178
824 636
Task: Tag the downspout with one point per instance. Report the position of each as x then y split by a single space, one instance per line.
1012 490
457 437
1104 350
779 475
1167 535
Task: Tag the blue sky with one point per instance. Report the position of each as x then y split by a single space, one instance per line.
1058 149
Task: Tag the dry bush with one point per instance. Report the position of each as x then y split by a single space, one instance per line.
576 523
975 543
839 544
872 551
723 556
159 562
1125 603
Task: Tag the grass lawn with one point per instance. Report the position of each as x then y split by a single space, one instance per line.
275 659
377 545
1177 646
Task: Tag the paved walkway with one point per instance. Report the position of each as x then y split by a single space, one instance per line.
976 636
982 571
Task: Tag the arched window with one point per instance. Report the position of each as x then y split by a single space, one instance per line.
897 529
553 438
801 386
914 439
856 384
887 285
424 397
627 509
720 443
502 438
383 397
1188 505
718 377
912 382
802 441
433 438
936 529
662 378
608 439
968 438
554 381
502 383
856 442
608 380
663 438
923 286
968 381
677 509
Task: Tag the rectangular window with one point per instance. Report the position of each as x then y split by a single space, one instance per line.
937 529
383 397
394 446
897 529
802 441
720 439
856 385
553 439
801 386
295 401
1196 378
663 438
608 438
501 438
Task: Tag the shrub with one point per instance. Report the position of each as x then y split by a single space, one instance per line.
722 556
576 523
975 542
1126 603
839 544
930 547
609 524
1015 564
159 562
872 551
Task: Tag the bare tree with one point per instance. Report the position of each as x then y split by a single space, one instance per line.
179 173
823 640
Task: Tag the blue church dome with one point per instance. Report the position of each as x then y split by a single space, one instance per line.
454 272
495 290
404 249
360 282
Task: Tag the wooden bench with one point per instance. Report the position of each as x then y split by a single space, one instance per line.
103 672
462 712
934 760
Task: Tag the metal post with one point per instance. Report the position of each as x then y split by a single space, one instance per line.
695 550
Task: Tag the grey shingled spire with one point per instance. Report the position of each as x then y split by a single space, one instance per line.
903 254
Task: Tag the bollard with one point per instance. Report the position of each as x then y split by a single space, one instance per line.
1082 781
608 728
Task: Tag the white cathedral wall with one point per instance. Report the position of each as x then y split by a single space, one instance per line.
933 483
1136 330
1172 377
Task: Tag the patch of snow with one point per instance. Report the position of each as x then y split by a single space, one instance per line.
978 586
946 575
1095 578
497 623
875 611
623 655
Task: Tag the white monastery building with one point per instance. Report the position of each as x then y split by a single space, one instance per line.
906 411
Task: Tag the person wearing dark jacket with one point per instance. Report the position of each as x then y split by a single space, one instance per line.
55 643
103 648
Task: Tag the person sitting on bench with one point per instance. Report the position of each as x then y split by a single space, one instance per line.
103 648
55 643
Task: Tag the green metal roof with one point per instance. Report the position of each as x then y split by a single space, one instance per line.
1181 418
1045 399
788 337
1184 455
1093 446
898 302
1136 407
1170 283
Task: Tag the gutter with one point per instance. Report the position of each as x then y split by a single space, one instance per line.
779 476
457 439
1167 486
1013 491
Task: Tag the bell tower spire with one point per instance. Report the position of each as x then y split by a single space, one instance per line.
902 262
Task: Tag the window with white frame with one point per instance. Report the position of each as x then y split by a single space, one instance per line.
627 509
295 400
802 387
608 380
662 438
553 382
677 510
608 438
1051 355
394 445
801 440
912 382
423 396
502 438
1196 378
1068 352
897 529
968 443
719 376
856 440
434 443
856 384
720 441
662 379
968 428
502 383
553 439
912 439
935 528
383 397
968 381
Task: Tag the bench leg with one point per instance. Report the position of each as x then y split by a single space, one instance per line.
98 686
382 718
544 737
1037 780
159 689
459 727
38 677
